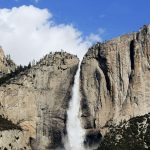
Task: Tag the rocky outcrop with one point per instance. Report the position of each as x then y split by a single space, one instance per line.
115 80
133 134
6 64
34 104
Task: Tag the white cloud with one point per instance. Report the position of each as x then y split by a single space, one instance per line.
28 33
94 38
101 31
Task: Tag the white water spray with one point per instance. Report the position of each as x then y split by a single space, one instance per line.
75 132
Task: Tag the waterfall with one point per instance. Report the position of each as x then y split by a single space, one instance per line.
75 132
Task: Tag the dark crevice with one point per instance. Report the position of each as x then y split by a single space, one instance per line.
119 70
56 139
92 138
6 124
97 77
132 53
103 65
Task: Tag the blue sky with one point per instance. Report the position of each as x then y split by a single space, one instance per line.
115 16
33 28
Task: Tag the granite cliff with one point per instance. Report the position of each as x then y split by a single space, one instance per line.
115 97
115 81
33 104
6 64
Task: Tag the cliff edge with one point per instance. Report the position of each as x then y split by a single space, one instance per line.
115 81
6 64
34 104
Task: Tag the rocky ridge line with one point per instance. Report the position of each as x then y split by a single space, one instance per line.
37 101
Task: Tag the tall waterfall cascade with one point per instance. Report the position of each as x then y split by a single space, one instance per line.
75 133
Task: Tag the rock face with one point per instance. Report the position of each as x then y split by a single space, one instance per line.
115 97
34 104
115 81
6 64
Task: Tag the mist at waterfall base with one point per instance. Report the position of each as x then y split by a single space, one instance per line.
75 133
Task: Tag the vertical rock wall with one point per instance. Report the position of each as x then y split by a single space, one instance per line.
115 80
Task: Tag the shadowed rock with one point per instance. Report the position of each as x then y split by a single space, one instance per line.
92 138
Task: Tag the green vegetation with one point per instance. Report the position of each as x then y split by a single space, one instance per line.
131 135
14 73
